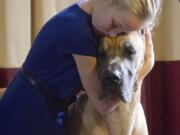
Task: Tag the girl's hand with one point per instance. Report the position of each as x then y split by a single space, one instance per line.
149 57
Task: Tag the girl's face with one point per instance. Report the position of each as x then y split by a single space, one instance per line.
111 20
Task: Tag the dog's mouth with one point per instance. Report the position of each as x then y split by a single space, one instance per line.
113 85
124 95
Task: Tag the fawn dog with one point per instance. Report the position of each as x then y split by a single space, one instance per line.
118 64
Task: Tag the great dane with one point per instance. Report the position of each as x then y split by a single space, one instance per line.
118 64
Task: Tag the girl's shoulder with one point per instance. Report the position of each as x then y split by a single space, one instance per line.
71 22
72 17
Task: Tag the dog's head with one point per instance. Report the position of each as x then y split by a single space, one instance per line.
119 60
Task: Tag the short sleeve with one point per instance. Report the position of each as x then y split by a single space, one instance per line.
76 34
77 38
78 43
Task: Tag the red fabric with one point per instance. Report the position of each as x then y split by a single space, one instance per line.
6 75
161 98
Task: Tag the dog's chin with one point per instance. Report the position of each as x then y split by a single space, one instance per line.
123 95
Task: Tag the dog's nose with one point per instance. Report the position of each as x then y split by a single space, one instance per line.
110 78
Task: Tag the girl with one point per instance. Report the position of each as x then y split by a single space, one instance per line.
62 61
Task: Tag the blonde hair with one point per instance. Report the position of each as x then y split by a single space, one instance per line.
143 9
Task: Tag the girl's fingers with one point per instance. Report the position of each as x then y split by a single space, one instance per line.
148 58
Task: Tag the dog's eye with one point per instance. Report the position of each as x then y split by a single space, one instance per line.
129 49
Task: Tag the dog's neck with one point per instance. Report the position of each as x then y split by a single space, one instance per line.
124 112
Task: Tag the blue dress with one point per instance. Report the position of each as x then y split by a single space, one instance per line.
23 109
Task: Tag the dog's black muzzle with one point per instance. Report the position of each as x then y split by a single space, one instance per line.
111 79
111 83
114 83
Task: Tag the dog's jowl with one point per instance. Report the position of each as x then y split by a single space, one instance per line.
118 63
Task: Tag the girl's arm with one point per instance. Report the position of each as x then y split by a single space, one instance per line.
149 57
86 66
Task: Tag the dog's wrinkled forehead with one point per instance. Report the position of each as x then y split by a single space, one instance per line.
125 43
